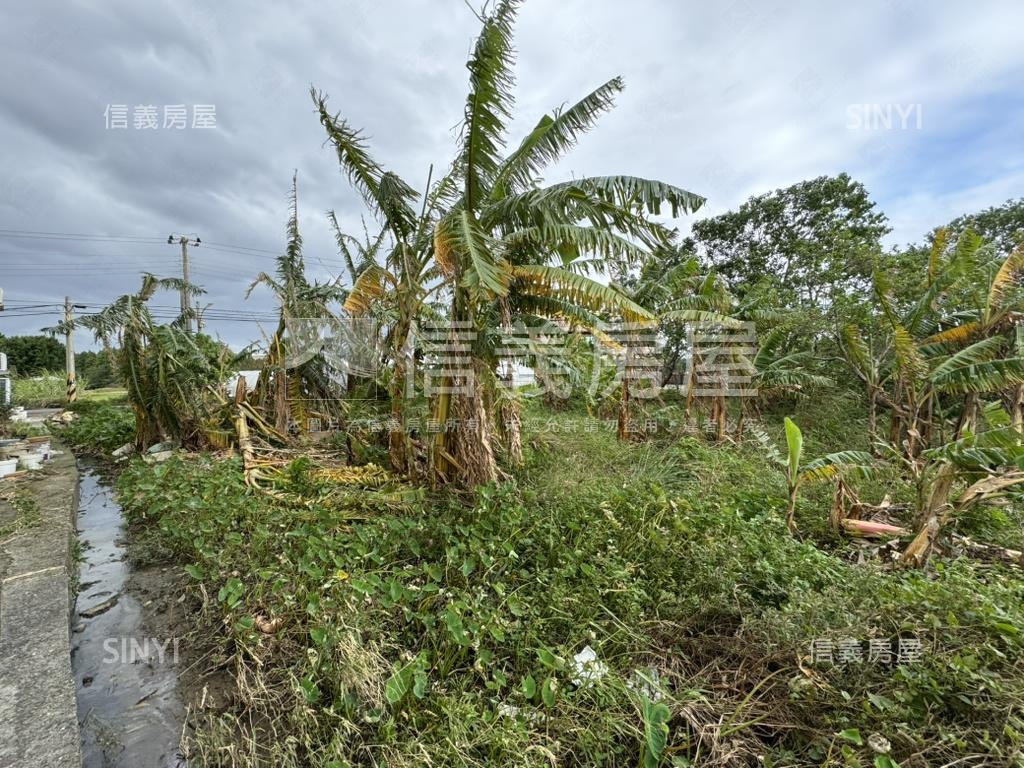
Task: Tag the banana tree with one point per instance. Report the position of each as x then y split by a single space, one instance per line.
393 289
984 466
293 396
797 471
171 376
933 354
502 244
781 370
671 284
994 310
694 299
867 362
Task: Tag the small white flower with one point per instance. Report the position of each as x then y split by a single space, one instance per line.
586 667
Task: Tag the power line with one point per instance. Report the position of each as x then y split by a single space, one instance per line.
6 315
243 248
83 238
240 252
80 254
76 234
28 234
115 264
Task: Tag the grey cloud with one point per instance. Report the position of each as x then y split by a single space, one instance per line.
729 99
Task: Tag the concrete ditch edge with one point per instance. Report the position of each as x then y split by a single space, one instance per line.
38 708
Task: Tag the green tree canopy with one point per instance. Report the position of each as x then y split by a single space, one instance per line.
1001 225
809 241
31 355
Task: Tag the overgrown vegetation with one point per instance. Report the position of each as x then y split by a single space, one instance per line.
576 572
444 631
99 428
19 511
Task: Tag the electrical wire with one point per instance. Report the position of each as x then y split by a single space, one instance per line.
123 264
28 234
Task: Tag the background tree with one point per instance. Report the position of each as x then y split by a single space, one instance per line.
32 355
1001 225
811 241
95 368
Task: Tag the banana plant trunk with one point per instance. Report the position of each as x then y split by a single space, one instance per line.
513 421
281 412
691 384
511 418
721 414
873 422
930 519
399 445
147 431
464 448
968 416
624 425
1018 407
791 510
473 433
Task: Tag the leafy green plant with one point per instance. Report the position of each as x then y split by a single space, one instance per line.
797 471
445 630
99 429
656 716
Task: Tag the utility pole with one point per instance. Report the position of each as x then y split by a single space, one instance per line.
184 240
69 349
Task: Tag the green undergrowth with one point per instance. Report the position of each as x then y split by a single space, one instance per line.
46 390
443 631
99 428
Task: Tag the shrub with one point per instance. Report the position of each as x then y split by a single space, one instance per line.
99 428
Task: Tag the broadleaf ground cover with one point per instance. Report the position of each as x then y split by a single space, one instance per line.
444 629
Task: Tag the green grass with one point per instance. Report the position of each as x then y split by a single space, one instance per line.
107 395
440 630
48 390
23 513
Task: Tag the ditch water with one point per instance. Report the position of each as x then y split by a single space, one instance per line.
129 708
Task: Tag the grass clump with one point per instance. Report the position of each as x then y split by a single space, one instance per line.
19 511
47 390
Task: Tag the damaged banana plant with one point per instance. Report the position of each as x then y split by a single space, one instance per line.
296 385
498 244
173 378
974 469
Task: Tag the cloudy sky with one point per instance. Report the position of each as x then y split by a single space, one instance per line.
728 99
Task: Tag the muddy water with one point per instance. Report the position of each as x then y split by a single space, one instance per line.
129 706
